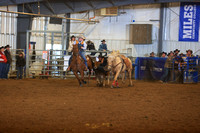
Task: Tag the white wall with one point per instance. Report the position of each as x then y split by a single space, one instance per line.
8 27
116 31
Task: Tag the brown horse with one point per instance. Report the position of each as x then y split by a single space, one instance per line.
90 65
77 65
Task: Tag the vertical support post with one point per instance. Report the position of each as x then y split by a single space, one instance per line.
63 32
52 39
27 54
161 29
45 34
68 30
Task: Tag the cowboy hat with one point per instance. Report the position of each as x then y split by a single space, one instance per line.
7 46
164 53
103 40
81 36
2 47
176 50
152 53
189 50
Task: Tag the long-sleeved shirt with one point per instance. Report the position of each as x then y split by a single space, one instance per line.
169 62
84 45
102 47
3 58
70 46
21 62
8 56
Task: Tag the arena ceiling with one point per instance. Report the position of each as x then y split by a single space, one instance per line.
70 6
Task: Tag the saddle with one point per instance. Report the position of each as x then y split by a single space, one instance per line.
126 61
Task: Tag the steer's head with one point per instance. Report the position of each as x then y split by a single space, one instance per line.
96 64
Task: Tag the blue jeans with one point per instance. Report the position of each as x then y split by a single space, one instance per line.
165 76
19 72
7 70
82 54
2 70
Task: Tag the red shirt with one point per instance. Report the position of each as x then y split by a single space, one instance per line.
3 58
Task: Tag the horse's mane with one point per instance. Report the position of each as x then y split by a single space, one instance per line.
75 49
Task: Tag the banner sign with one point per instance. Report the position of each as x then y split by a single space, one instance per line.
149 68
189 21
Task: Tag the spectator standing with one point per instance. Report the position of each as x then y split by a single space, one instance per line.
163 55
20 65
167 67
3 61
9 60
149 67
152 54
189 53
103 46
176 52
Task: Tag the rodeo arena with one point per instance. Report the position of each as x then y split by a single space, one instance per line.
99 66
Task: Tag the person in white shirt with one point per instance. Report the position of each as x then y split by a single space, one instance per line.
71 42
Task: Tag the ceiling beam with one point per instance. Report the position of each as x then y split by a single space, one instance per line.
48 5
90 4
44 15
111 2
28 6
69 6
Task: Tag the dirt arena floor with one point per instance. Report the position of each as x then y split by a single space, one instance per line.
60 106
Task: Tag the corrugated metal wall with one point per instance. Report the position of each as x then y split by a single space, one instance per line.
38 24
8 27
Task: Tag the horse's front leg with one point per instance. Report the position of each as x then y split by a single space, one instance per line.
82 77
115 83
76 74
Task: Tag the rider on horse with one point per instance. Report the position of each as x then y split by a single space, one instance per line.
82 47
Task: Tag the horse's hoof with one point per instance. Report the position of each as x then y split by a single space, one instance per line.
130 85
